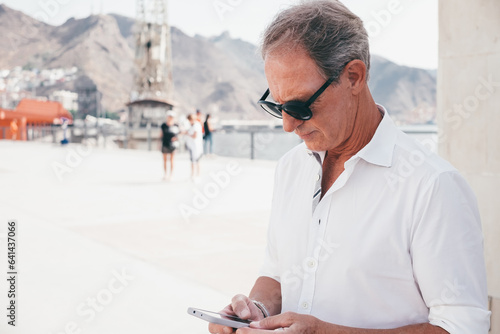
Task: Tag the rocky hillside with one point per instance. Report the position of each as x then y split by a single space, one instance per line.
219 74
93 44
404 91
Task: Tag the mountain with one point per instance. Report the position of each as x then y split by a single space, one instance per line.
21 37
93 44
402 89
218 74
101 46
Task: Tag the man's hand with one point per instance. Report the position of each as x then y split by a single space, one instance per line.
288 322
293 323
242 307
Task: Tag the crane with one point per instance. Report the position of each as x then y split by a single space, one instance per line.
153 53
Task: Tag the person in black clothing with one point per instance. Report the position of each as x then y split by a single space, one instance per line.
170 143
207 137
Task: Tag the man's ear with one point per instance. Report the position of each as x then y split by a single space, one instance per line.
356 73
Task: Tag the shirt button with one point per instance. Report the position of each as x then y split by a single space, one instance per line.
311 263
318 177
305 305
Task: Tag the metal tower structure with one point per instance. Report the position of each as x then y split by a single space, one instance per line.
153 53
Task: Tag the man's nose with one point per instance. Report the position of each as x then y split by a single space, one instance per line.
290 123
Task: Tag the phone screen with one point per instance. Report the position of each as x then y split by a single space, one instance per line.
219 318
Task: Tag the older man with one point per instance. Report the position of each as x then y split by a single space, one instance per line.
369 231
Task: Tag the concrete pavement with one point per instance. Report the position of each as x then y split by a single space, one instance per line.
104 245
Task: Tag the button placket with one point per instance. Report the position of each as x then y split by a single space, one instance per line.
311 263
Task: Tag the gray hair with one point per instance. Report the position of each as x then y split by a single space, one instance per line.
329 32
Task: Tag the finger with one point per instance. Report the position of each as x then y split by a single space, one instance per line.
248 330
215 329
241 306
219 329
275 322
228 310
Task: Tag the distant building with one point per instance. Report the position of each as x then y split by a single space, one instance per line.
42 112
150 111
69 100
89 98
30 113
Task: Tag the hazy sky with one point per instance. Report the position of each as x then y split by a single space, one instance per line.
404 31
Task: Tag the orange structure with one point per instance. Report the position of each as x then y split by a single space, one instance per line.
31 113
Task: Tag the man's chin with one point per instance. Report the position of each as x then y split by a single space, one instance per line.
313 146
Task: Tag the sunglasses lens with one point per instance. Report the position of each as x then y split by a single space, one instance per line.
297 110
271 109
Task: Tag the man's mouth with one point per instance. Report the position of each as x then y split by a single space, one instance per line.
305 136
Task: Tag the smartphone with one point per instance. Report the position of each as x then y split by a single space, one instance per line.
219 318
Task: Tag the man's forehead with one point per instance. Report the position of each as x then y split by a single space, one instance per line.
292 76
291 94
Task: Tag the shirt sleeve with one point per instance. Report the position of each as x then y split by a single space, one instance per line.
447 254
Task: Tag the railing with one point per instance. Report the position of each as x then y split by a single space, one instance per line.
262 144
55 134
32 133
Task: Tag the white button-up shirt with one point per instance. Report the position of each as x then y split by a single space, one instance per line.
395 241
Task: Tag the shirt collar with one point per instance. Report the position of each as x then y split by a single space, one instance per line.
319 155
380 148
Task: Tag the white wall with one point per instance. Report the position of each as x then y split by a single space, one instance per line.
469 113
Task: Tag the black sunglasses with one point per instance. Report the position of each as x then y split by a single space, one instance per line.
296 109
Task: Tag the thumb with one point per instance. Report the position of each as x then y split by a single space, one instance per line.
277 321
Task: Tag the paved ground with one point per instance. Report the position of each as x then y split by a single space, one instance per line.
105 246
